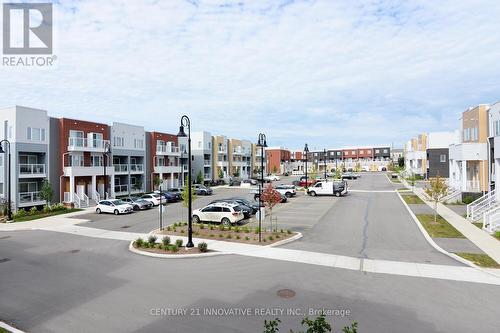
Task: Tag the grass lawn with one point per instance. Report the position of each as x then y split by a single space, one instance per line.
482 260
42 215
3 330
412 199
497 235
480 226
441 229
403 189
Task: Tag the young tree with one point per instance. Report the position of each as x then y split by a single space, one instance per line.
401 161
138 184
156 181
199 177
275 169
270 198
46 192
236 173
318 325
221 174
185 195
271 326
436 190
338 173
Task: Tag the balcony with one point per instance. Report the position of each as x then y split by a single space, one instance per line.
167 150
207 176
222 150
87 144
237 151
121 168
32 170
469 152
90 170
30 199
136 168
207 163
167 169
121 188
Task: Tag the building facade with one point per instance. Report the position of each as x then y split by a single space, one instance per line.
468 159
220 155
202 153
416 156
437 155
165 160
278 160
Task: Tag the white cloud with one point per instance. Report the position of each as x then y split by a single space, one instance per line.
330 73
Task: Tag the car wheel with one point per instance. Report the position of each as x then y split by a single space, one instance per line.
196 219
136 208
255 197
116 212
225 222
98 211
312 194
288 194
337 194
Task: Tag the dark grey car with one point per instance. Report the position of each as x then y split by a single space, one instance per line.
138 203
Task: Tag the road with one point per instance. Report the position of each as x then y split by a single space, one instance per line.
55 282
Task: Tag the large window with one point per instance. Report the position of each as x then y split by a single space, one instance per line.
138 143
118 141
35 134
442 158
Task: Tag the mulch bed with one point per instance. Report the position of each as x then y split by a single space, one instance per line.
182 250
234 235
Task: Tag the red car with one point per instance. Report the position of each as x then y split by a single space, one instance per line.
310 181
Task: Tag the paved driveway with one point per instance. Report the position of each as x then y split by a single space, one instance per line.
47 286
373 225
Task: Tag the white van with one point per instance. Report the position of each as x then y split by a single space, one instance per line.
335 187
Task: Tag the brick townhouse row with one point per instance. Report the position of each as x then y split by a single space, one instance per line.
84 161
282 160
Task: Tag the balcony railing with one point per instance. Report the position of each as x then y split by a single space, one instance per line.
75 143
207 176
29 197
32 169
206 162
136 167
121 188
167 149
121 167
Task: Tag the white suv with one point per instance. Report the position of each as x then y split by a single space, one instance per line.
223 212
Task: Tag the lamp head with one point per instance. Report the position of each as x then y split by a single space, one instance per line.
181 133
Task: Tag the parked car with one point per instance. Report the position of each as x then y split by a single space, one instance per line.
138 203
169 196
115 206
250 181
246 202
234 182
349 175
336 188
287 190
176 190
202 189
222 212
154 198
272 177
303 183
247 210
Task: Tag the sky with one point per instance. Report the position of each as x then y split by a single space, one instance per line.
329 73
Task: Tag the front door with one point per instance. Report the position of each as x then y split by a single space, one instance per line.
80 190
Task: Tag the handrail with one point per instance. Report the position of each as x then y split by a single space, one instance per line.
478 206
31 168
76 200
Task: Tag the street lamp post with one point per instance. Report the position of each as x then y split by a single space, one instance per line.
306 152
104 157
185 122
9 202
160 208
262 143
324 160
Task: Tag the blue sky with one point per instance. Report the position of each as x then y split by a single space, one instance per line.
330 73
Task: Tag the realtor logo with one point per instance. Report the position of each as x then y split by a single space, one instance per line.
27 28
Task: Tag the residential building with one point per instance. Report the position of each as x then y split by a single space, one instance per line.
201 149
129 157
278 160
28 132
468 159
165 160
258 159
396 154
240 158
437 153
83 147
494 145
416 155
220 155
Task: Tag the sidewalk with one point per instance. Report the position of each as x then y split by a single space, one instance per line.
480 238
66 224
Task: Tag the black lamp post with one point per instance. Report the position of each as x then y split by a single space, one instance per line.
262 143
306 152
9 202
104 157
324 160
185 122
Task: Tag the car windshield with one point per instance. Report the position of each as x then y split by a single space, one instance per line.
237 208
155 195
118 202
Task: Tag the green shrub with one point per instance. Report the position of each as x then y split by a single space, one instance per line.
33 211
228 236
57 207
146 245
178 242
211 235
468 199
174 248
257 230
238 237
237 229
20 213
175 224
169 228
139 242
246 230
497 234
247 238
221 235
46 209
201 226
277 236
203 247
166 240
185 223
211 227
182 231
271 238
152 239
289 231
282 231
221 227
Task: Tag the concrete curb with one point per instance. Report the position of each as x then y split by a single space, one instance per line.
429 239
286 241
172 256
10 328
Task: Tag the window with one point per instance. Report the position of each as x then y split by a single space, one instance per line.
385 151
138 143
75 160
466 134
118 141
35 134
377 151
338 153
496 127
361 151
28 135
1 160
474 133
353 152
442 158
96 160
42 131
